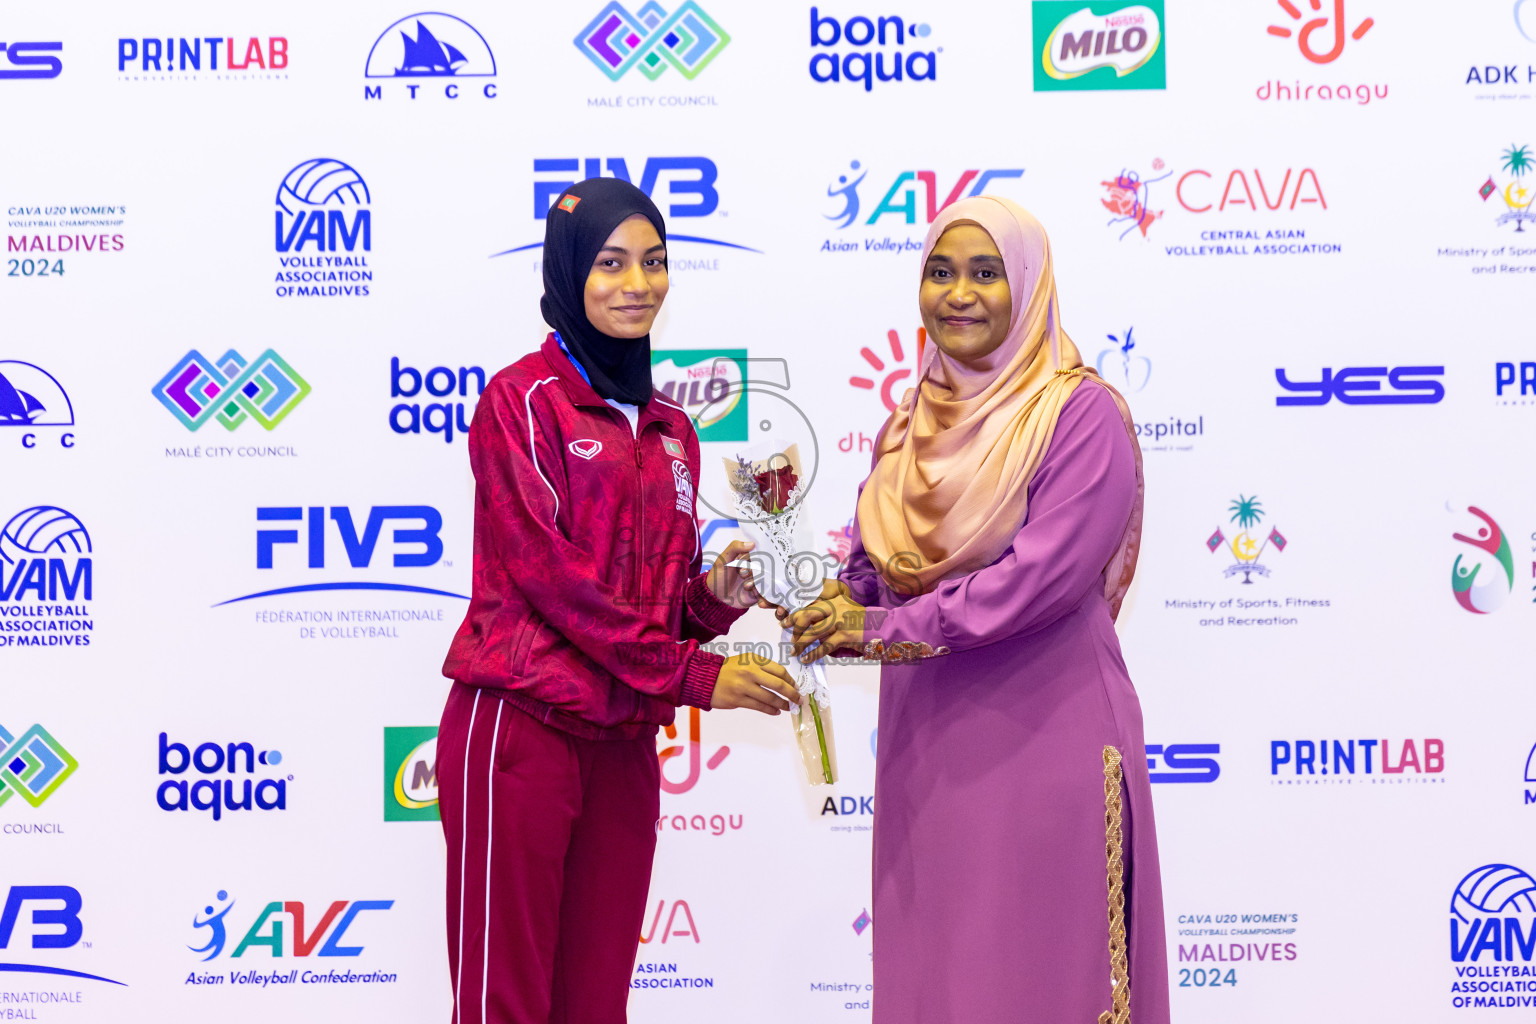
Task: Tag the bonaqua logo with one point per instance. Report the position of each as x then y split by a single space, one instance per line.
617 41
866 58
421 50
220 763
1494 562
454 412
324 205
32 765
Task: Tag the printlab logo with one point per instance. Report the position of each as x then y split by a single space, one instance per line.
410 773
890 377
421 50
183 58
325 940
665 179
709 384
1493 562
1517 198
1246 549
1493 932
694 747
862 61
32 765
1310 760
1099 46
45 552
1184 762
440 382
1362 385
913 196
30 60
51 926
1504 377
323 205
652 41
233 764
31 397
231 390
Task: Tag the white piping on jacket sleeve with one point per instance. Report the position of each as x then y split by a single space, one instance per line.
532 453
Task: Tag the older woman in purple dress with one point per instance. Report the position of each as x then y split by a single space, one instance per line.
1015 860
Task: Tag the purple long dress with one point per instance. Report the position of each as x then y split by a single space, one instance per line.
990 891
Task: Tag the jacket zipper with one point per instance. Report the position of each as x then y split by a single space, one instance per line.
639 519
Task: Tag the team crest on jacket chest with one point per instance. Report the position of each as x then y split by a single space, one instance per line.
585 448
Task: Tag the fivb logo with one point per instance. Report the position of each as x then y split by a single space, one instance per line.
32 765
332 928
233 390
653 40
421 48
31 397
415 546
219 763
55 924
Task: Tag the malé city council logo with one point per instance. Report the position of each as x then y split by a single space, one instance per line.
652 40
32 765
1494 563
232 390
1098 46
1246 549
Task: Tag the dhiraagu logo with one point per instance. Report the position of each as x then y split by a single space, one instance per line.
410 773
1098 45
709 383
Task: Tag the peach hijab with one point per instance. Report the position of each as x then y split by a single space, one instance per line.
950 487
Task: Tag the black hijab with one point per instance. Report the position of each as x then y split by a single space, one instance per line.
579 223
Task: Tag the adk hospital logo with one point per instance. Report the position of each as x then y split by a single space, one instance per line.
45 580
323 231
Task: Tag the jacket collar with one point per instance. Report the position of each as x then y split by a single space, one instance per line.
659 408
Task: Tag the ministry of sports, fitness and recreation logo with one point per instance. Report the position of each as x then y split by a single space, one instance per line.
1098 45
421 51
652 40
1245 547
1487 578
324 231
32 765
410 773
231 390
1517 162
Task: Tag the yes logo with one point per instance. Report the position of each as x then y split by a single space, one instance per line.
30 60
1361 385
1183 762
410 773
268 929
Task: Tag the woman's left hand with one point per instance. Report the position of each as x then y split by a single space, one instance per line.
835 620
734 586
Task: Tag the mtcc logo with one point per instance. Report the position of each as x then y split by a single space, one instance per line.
32 765
232 390
1493 561
31 397
421 48
687 39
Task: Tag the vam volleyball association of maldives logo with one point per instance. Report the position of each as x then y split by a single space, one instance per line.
1483 578
323 231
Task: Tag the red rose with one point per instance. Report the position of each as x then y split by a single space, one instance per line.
774 485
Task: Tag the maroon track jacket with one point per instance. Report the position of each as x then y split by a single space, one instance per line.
588 604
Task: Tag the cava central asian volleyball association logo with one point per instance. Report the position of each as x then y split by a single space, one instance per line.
1482 579
1098 46
324 231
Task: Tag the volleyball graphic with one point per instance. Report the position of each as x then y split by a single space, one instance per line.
1494 889
322 182
42 530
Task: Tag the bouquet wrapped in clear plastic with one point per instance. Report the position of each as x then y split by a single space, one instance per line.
766 491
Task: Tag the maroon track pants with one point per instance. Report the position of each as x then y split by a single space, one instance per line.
550 843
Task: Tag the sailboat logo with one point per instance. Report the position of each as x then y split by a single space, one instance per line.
31 397
431 46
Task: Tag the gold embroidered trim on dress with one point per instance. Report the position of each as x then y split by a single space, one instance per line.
1120 982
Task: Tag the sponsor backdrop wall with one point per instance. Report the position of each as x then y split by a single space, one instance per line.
260 264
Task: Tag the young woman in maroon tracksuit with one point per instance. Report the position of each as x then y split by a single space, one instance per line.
582 635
